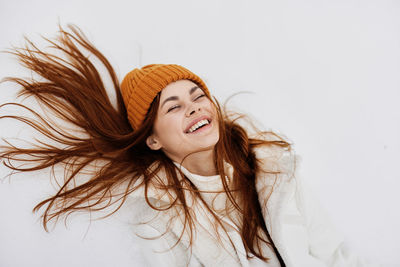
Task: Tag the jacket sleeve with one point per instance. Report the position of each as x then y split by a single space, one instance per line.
158 249
300 228
325 242
154 248
157 243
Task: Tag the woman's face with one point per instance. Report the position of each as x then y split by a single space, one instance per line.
186 121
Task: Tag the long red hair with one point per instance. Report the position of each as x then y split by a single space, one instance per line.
104 159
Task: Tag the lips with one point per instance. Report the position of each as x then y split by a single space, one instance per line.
197 124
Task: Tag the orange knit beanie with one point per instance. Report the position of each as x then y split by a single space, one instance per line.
141 86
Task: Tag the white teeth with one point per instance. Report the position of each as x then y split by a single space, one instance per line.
198 125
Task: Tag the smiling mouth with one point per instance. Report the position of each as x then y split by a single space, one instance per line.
200 124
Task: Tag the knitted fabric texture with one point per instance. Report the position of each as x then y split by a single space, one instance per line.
141 86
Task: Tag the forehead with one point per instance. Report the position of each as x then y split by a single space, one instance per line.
181 87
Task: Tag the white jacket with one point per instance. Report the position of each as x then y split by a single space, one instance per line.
298 227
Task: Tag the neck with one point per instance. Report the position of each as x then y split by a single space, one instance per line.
200 163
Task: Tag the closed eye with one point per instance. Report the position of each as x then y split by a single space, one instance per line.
172 108
199 96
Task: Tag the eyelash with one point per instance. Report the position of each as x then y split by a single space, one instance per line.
177 106
172 108
200 96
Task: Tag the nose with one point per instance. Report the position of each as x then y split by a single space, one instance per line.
192 110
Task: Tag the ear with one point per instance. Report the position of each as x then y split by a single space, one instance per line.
153 143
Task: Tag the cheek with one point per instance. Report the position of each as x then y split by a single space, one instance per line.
167 129
211 106
213 110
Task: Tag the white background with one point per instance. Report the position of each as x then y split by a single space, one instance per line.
324 73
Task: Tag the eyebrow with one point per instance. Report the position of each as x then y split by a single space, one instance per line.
194 88
173 98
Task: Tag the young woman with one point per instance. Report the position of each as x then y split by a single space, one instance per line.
204 190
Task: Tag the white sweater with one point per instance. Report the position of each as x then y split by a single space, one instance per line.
211 189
